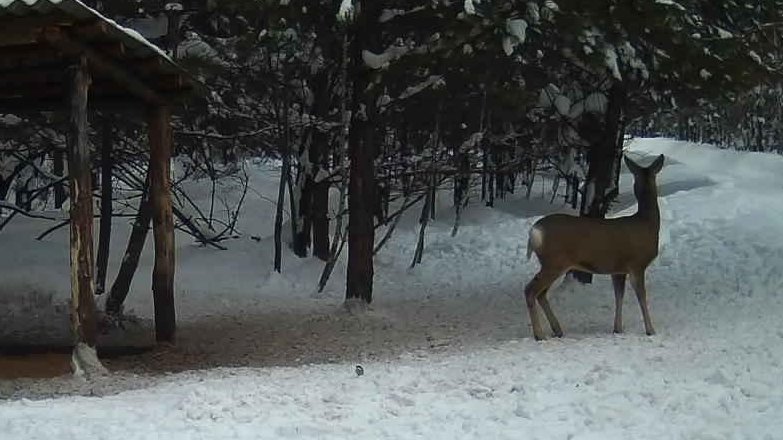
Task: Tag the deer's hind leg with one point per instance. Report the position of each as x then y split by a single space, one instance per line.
543 300
536 287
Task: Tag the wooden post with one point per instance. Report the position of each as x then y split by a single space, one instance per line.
159 124
83 317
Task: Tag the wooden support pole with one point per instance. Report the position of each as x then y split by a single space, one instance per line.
83 316
159 124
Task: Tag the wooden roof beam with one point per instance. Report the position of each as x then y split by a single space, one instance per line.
54 103
91 31
35 21
114 50
57 38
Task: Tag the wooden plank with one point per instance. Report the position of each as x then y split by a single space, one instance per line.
41 91
29 55
83 316
19 77
118 104
18 37
160 137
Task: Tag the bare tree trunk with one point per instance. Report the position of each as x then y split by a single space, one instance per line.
281 192
59 170
341 160
323 86
433 199
130 261
320 219
104 237
461 188
423 221
490 172
301 209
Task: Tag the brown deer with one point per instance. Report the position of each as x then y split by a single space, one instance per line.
618 247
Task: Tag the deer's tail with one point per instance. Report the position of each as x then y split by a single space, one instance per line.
534 240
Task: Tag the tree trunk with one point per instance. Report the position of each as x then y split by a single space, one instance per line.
461 188
423 221
302 226
104 237
361 195
319 148
59 170
320 219
361 186
604 157
341 162
160 136
130 261
286 168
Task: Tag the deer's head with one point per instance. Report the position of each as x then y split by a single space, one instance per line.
644 185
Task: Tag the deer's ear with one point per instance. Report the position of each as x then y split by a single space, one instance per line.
657 165
632 165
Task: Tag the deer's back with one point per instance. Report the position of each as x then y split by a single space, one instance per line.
618 245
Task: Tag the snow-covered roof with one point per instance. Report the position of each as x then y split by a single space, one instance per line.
76 9
122 46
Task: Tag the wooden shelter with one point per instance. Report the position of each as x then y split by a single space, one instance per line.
61 54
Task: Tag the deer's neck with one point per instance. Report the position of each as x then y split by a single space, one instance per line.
648 207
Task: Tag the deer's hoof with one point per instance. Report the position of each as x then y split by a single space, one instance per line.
558 334
650 332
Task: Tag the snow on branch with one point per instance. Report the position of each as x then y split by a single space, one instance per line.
470 6
434 44
610 59
472 142
390 14
517 30
431 81
380 61
672 4
346 11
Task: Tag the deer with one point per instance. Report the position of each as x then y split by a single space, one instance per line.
621 247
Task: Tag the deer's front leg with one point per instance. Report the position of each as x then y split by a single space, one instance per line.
618 281
637 281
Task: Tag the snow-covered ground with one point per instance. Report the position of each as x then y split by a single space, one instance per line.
446 347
